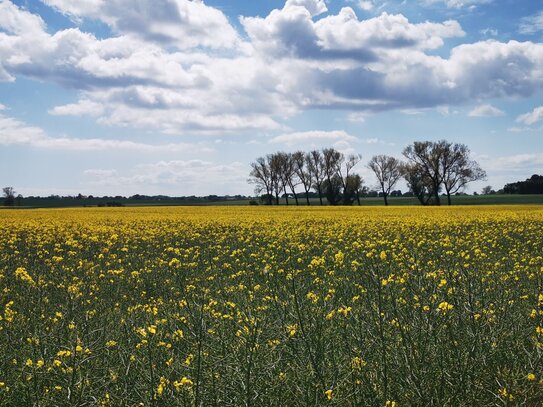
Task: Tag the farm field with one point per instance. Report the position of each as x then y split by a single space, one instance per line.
260 306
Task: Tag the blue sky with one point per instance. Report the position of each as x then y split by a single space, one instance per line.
177 97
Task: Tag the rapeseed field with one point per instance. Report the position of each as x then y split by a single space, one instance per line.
243 306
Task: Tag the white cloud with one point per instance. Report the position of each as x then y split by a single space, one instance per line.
180 23
15 132
81 108
14 21
365 5
314 7
2 107
290 62
517 162
489 32
531 117
357 117
485 110
458 4
186 176
531 24
291 139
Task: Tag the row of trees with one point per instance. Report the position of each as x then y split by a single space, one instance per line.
328 172
430 169
533 185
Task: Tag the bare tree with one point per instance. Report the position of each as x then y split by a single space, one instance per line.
274 161
335 183
458 170
425 158
285 171
290 175
388 172
9 196
301 162
315 165
261 177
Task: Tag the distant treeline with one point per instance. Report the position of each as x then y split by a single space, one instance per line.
116 201
533 185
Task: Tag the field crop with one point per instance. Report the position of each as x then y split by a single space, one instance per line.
272 306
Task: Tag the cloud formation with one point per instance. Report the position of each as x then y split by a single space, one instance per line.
190 71
291 139
532 117
184 175
15 132
532 24
485 110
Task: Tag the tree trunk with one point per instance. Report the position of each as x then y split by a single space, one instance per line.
358 197
386 200
320 194
286 195
277 197
449 198
307 196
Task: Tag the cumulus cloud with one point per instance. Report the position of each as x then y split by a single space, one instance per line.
180 23
531 24
531 117
292 60
485 110
291 139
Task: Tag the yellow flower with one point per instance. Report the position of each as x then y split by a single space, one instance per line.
28 362
110 344
531 377
184 382
329 394
444 306
383 255
64 353
291 330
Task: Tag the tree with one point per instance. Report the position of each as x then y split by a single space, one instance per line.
348 182
333 160
261 177
425 159
315 165
458 169
332 188
353 187
9 196
301 162
487 190
533 185
388 171
419 184
274 162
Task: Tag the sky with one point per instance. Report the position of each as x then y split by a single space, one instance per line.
177 97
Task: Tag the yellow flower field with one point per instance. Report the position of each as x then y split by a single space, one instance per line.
231 306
